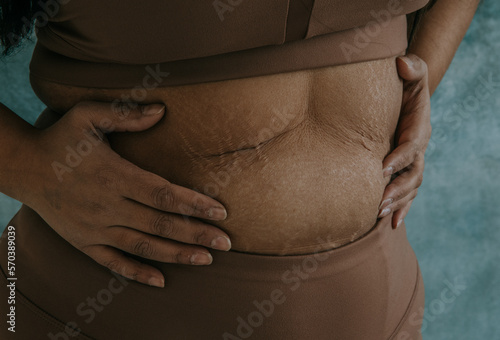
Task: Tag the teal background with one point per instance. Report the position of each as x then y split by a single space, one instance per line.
454 222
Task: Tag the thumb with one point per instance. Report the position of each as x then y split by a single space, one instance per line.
120 116
411 67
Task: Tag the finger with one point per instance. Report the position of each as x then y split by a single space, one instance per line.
416 95
117 262
399 204
411 67
399 216
155 248
404 183
172 226
118 116
154 191
400 158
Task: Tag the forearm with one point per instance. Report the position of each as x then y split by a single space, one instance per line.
439 34
15 153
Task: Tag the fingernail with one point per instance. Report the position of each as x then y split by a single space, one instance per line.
217 213
407 61
384 212
385 203
157 282
388 171
221 243
201 258
153 109
399 223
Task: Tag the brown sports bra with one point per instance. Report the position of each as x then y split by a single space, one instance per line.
117 43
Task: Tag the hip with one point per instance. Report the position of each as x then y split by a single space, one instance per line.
368 289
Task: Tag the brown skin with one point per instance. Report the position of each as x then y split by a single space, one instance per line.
440 32
313 144
78 207
406 162
326 136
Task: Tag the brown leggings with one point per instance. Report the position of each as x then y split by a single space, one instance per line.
369 289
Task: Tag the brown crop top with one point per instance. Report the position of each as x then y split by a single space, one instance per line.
116 43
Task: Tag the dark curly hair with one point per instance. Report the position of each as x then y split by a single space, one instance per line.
17 19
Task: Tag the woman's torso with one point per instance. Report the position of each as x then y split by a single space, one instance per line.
296 158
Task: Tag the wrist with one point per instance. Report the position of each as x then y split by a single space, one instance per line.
17 155
17 170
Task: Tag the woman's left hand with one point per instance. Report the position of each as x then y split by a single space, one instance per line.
406 162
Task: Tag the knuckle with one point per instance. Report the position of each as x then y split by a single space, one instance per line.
131 273
117 266
406 158
194 206
180 256
113 264
123 108
163 197
420 179
84 105
398 195
400 164
396 192
421 163
122 111
163 225
416 149
77 118
397 205
392 191
201 237
143 248
419 154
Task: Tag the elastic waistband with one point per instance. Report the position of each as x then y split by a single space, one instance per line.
369 42
363 290
381 238
49 253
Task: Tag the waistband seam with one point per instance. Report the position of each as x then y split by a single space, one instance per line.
367 239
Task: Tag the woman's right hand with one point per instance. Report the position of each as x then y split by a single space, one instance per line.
104 205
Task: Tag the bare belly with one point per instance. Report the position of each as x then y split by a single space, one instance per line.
296 158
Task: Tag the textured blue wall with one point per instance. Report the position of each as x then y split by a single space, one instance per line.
454 224
16 93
